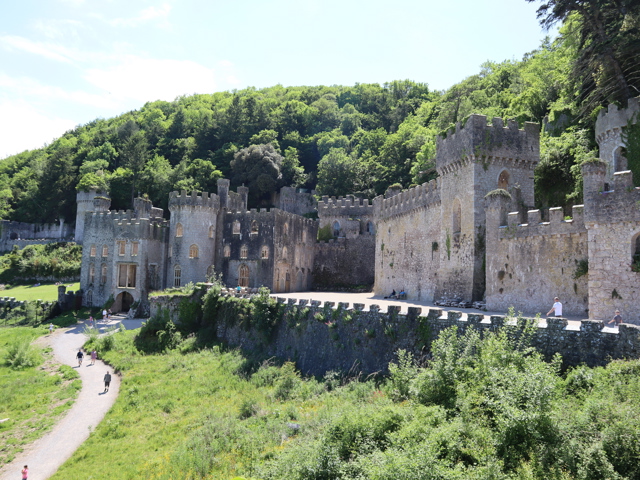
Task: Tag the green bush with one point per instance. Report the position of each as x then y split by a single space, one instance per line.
22 355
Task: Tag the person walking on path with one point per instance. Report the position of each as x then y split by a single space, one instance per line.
557 308
91 322
104 314
80 356
25 472
617 318
50 328
107 382
94 356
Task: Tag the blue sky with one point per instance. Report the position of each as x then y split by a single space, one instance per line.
66 62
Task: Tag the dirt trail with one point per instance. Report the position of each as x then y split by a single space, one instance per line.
46 455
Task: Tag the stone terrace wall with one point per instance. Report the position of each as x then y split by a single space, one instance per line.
357 340
531 263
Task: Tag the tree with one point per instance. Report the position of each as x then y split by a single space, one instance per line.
342 174
608 41
257 167
134 157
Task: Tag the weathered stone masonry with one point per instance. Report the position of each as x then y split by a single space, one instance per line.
357 340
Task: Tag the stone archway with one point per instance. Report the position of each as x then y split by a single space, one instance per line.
123 302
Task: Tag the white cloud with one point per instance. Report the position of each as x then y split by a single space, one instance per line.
57 29
25 87
22 127
160 12
145 80
47 50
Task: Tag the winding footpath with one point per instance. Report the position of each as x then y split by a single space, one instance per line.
46 455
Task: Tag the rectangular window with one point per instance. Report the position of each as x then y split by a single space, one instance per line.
93 251
127 275
105 251
121 247
134 249
92 274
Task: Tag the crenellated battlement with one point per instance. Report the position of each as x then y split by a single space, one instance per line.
534 226
182 199
350 206
613 119
618 201
476 141
126 217
423 196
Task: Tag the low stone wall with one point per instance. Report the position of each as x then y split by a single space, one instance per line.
329 337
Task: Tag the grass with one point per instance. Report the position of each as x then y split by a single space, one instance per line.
34 398
170 403
45 292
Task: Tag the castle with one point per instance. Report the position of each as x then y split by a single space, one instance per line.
472 234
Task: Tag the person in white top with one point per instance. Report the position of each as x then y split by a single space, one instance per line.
557 308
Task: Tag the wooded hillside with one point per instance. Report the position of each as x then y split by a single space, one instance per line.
339 139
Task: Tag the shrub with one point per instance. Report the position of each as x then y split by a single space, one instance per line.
22 355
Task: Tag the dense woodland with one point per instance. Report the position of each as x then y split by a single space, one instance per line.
342 139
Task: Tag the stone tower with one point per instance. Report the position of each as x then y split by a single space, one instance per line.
609 127
473 160
192 237
85 202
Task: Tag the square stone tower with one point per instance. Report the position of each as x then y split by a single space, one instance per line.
473 160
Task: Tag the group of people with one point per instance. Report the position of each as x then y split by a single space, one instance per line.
395 295
94 356
557 312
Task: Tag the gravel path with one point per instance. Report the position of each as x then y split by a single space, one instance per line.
46 455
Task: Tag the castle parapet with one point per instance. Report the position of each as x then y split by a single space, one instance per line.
613 119
346 206
533 226
422 196
618 203
182 199
477 140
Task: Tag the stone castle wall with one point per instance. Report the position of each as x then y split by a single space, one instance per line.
356 340
530 263
344 262
23 234
613 221
408 243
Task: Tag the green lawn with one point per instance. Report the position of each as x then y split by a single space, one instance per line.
33 398
46 292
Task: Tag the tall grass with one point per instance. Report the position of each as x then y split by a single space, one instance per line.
32 398
484 408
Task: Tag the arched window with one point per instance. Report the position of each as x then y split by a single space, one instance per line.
92 273
105 251
254 228
103 274
236 227
211 231
285 252
244 251
177 274
243 276
226 251
456 219
370 228
503 180
179 230
93 251
285 229
89 298
264 252
619 160
193 251
635 260
336 228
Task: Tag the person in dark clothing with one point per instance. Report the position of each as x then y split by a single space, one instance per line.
107 382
